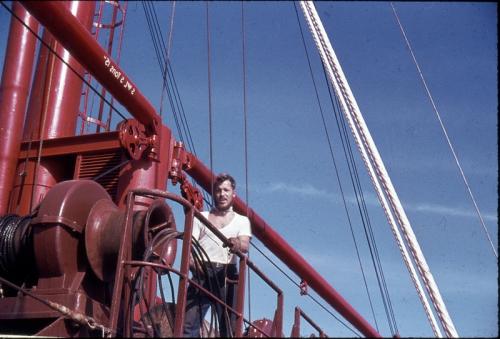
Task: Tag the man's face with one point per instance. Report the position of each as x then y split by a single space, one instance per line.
224 194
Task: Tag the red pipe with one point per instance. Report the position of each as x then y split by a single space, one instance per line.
80 43
17 70
54 101
87 51
274 242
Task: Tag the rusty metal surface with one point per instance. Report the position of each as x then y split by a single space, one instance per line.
161 319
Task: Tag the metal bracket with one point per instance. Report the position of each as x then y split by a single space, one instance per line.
303 287
134 139
180 161
58 219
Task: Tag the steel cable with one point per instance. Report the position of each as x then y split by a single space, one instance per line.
452 149
169 46
169 83
245 136
336 169
209 80
379 177
298 285
370 238
63 310
139 291
377 265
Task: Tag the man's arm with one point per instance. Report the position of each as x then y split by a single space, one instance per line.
196 234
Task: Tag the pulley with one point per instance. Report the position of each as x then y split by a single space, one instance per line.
105 225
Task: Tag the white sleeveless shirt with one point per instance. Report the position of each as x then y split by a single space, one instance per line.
239 226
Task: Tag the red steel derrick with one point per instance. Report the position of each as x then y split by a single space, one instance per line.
77 224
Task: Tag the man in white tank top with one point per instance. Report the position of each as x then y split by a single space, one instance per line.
221 266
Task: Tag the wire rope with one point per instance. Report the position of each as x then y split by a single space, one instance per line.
298 285
210 118
41 137
174 98
379 176
103 174
78 317
245 136
363 211
377 265
370 238
169 83
336 168
169 47
153 30
443 128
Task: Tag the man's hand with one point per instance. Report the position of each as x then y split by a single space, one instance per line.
240 243
235 244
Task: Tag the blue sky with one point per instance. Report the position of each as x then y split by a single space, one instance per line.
291 178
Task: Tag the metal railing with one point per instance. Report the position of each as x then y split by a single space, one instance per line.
127 268
296 324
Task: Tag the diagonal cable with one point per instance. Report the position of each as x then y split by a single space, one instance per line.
445 133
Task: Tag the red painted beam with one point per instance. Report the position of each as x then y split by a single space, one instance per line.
84 48
276 244
81 144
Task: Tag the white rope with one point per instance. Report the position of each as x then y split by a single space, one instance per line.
368 148
329 66
444 131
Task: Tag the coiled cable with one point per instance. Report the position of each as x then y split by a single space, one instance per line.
16 248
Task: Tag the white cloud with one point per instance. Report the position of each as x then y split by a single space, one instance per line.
305 189
371 200
452 211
